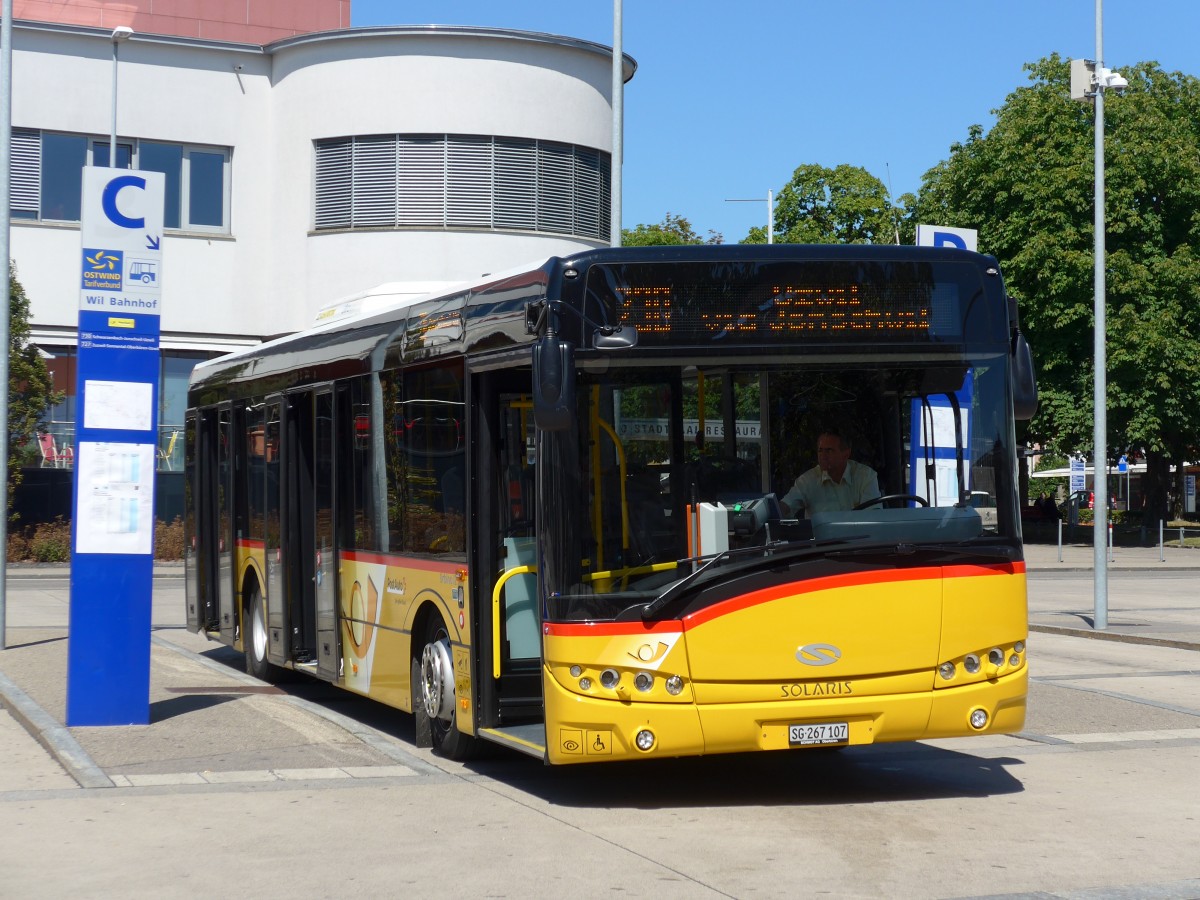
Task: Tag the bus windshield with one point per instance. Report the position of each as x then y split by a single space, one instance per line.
679 463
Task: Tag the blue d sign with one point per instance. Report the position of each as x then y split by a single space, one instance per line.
946 239
109 200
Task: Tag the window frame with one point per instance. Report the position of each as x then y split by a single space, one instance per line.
27 170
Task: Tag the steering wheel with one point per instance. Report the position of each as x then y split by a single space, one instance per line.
887 498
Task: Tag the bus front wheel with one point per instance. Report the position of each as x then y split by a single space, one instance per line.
433 695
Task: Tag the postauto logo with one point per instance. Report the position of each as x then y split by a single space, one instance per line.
102 269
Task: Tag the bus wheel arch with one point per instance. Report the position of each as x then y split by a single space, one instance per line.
433 698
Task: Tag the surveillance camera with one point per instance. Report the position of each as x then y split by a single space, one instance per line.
1110 80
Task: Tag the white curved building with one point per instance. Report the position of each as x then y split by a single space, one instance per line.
305 170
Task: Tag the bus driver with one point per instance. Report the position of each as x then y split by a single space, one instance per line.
835 483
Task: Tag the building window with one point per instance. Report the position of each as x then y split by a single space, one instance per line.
462 181
47 177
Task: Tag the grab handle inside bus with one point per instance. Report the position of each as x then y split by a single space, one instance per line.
553 383
1024 380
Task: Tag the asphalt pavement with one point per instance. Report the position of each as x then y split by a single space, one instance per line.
212 724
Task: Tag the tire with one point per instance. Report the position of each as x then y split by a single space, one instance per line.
255 639
433 699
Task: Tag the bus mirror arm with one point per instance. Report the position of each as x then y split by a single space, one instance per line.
604 335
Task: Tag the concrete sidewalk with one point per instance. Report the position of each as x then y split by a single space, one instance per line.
212 724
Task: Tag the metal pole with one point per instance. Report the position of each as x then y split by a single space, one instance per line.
1161 556
1060 540
1100 451
770 217
5 334
618 124
112 131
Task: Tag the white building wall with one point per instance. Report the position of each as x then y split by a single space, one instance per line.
271 273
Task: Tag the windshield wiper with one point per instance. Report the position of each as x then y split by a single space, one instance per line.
773 553
907 549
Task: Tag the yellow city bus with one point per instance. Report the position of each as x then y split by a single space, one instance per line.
544 510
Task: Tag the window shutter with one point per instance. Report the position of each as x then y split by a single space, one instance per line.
373 183
26 173
333 183
462 181
469 181
422 180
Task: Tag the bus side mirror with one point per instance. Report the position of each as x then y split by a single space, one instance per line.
1024 381
553 383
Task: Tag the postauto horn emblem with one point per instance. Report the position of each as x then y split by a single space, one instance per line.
818 654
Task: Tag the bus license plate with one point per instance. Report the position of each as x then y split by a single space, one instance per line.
818 734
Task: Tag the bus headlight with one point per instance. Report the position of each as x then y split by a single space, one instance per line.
674 685
643 681
971 663
609 678
645 740
946 670
979 719
996 657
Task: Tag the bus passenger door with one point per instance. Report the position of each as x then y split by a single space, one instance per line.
504 488
200 522
278 645
228 617
296 509
324 564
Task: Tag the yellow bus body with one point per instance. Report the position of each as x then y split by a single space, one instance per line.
742 684
733 659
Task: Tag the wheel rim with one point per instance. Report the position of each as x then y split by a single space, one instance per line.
258 630
437 679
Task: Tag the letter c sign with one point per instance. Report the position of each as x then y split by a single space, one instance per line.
109 200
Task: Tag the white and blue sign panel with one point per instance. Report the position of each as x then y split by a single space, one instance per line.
1078 475
933 458
112 540
944 236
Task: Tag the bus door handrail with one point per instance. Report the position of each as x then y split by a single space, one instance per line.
500 582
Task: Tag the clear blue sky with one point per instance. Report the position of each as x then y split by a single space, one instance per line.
730 96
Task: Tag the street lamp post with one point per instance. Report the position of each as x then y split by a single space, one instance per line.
770 211
120 35
618 124
1089 81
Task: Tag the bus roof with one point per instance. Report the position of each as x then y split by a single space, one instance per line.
354 336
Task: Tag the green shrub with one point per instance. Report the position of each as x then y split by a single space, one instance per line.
50 542
168 539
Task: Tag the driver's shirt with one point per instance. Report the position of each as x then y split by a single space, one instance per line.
817 492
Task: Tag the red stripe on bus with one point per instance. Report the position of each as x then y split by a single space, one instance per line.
855 579
252 544
607 629
735 604
384 559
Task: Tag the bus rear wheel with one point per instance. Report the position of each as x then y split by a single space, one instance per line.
254 641
433 695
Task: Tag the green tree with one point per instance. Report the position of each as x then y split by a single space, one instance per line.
672 231
843 205
1027 185
30 389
